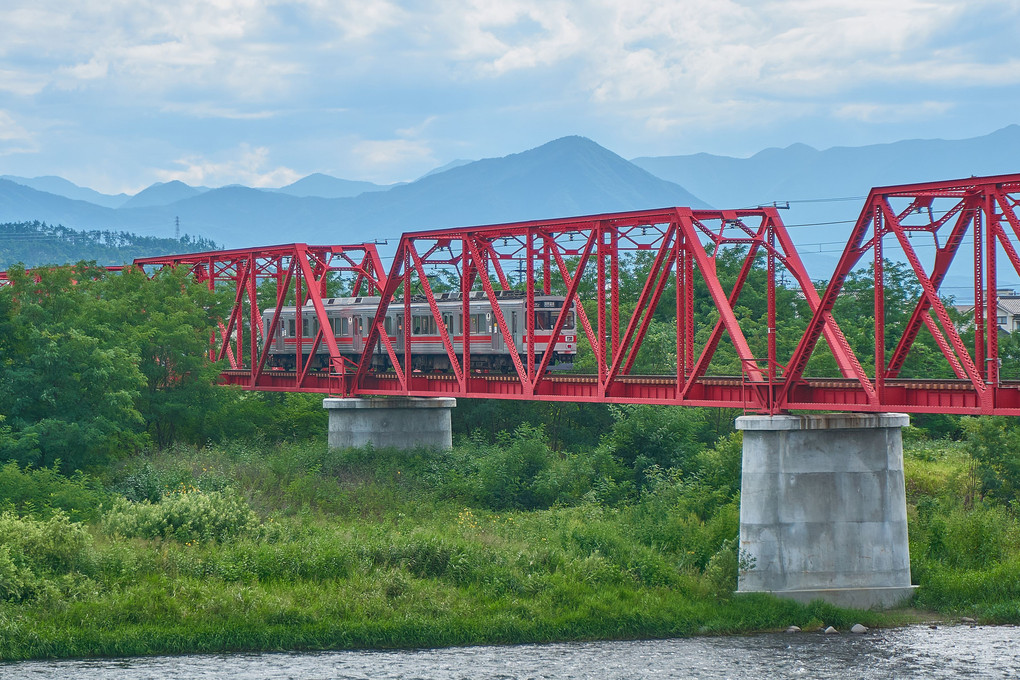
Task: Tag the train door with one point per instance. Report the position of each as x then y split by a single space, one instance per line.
497 338
357 331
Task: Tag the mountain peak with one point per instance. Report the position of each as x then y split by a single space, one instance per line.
322 185
161 193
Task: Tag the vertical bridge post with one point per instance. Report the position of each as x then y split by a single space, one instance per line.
397 422
823 508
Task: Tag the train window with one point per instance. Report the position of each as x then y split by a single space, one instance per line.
513 322
388 325
448 322
544 321
424 325
290 327
478 324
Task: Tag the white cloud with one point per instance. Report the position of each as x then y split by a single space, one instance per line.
248 167
208 110
20 83
872 112
13 137
315 74
357 19
382 157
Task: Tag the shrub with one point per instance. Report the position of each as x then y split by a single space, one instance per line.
34 553
186 515
41 491
994 443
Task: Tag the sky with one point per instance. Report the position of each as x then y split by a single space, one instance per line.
118 94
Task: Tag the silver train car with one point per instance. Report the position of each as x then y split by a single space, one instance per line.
351 317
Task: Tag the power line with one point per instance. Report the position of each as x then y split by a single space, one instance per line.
819 224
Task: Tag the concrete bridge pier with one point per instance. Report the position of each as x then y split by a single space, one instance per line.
823 508
398 422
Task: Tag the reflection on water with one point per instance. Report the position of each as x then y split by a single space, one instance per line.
914 652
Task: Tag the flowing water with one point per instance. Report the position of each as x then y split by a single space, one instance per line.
912 652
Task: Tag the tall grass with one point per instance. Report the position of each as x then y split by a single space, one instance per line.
259 547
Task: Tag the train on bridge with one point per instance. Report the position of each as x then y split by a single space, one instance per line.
350 317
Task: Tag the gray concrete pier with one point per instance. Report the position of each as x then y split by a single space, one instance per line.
823 508
398 422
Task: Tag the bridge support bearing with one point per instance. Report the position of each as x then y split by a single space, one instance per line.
823 509
397 422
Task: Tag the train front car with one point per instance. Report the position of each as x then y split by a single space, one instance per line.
563 346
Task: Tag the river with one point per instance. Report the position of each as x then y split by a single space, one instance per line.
956 651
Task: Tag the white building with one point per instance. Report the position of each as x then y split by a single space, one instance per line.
1007 311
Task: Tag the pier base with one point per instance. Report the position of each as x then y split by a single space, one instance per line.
397 422
823 509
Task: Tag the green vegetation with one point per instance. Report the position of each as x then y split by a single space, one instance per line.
97 366
963 527
143 510
294 546
33 244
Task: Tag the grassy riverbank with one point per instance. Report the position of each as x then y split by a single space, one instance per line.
267 547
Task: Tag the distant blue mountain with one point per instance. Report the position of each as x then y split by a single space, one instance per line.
326 186
162 193
569 176
565 177
800 172
19 203
449 166
826 189
62 187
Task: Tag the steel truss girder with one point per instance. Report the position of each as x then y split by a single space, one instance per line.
300 273
979 208
570 254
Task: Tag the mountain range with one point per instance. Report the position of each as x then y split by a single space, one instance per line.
565 177
568 176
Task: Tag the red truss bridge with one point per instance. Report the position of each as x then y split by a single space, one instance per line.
637 307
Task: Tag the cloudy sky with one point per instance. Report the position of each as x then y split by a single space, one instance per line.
117 94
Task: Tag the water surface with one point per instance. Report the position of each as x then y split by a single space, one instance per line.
912 652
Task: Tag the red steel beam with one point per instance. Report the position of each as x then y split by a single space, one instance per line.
587 254
977 207
301 274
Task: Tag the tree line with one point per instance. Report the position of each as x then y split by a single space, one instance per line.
37 243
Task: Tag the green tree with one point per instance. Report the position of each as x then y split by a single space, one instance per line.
644 436
994 444
67 395
97 364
